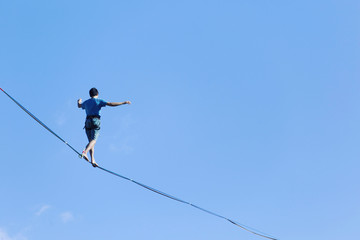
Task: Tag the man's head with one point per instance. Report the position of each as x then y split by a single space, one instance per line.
93 92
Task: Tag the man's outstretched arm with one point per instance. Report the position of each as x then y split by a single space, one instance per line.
114 104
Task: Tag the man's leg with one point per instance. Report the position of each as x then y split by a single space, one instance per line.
90 147
92 132
92 151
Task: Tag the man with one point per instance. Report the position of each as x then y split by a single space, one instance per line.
92 107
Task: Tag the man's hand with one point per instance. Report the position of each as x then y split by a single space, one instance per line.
127 102
79 103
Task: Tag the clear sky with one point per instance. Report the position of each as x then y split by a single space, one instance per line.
249 109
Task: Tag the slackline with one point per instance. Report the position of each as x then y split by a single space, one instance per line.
251 230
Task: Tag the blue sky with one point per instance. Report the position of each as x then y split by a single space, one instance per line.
246 108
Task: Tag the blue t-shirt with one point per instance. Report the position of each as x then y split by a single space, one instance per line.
93 106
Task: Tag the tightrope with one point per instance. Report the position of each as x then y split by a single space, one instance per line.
251 230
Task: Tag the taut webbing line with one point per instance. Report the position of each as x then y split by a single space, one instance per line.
40 122
256 232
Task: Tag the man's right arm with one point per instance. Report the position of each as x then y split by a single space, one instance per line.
114 104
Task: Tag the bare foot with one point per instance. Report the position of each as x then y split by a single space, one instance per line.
94 163
83 155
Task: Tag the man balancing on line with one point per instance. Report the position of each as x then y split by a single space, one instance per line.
92 107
